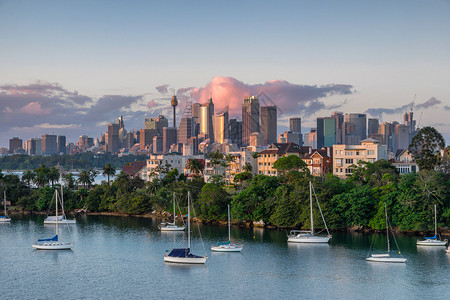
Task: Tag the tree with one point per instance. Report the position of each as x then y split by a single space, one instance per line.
53 175
109 170
85 178
41 176
216 159
247 168
425 147
195 166
28 177
290 163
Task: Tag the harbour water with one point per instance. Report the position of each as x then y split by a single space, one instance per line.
122 258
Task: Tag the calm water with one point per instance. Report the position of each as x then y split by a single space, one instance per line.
118 257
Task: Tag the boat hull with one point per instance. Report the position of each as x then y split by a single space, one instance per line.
386 259
5 220
431 243
53 246
60 222
185 260
309 239
172 228
226 248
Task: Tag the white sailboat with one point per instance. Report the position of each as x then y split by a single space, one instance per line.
4 219
301 236
171 226
184 255
227 246
60 219
386 257
433 240
52 243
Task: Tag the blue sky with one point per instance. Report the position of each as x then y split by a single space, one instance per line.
386 50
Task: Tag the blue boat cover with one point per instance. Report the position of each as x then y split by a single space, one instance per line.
184 252
54 239
224 243
431 238
3 217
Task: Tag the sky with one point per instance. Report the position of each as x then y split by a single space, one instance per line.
71 67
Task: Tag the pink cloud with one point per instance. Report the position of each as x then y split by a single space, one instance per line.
34 108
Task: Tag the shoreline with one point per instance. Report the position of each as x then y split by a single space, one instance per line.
242 224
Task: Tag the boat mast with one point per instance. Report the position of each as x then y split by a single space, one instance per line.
189 221
387 229
310 205
435 220
4 200
56 200
229 229
174 210
62 198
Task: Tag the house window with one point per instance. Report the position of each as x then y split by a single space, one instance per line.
370 152
349 160
357 152
348 171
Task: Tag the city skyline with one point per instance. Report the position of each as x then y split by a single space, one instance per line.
72 68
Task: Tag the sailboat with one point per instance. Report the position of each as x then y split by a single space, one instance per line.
171 226
300 236
227 246
433 240
4 219
59 219
184 255
52 243
386 257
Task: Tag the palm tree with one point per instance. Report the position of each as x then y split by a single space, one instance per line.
53 175
247 168
85 178
216 159
109 170
41 176
28 176
195 166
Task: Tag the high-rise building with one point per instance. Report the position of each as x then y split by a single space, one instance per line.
326 132
157 123
206 120
250 118
340 132
157 144
14 143
186 130
113 138
290 137
311 138
235 130
49 144
196 112
372 127
256 139
269 124
295 124
386 130
146 138
169 138
61 144
401 137
221 127
355 128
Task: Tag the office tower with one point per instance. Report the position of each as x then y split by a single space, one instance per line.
14 143
326 132
250 118
295 124
340 132
269 124
122 130
113 138
206 120
221 127
186 130
61 144
409 122
386 130
157 145
235 130
372 127
311 138
49 144
401 137
157 123
38 145
146 138
196 112
290 137
256 139
169 138
129 140
355 128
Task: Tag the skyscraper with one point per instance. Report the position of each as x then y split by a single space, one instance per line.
185 130
221 127
113 138
235 130
340 132
295 124
401 137
61 144
372 127
157 123
49 144
250 118
169 138
326 132
386 130
269 124
196 112
355 128
14 143
206 119
146 138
